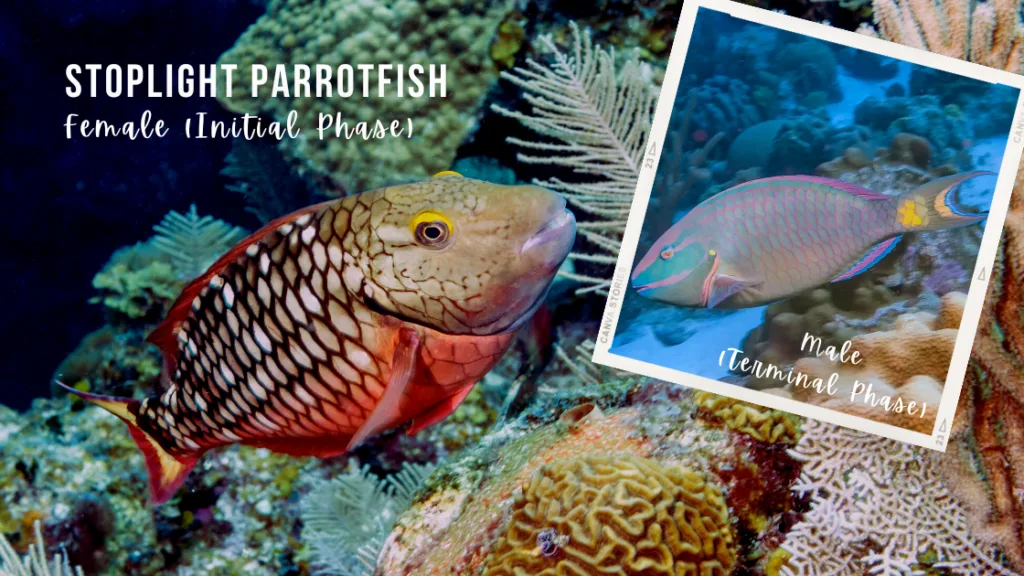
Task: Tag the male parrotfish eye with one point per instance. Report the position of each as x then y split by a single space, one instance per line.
668 253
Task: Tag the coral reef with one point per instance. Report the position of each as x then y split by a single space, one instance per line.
801 143
598 117
944 127
879 507
991 34
761 424
455 33
113 362
35 564
722 104
138 284
808 66
675 189
345 519
68 466
618 515
908 362
486 504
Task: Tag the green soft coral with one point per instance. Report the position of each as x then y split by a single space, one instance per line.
137 294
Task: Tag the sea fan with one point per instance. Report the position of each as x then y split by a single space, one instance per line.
35 563
194 242
596 120
346 519
259 172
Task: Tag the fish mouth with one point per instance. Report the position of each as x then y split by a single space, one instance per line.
559 227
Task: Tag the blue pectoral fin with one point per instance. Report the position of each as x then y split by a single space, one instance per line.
870 258
724 286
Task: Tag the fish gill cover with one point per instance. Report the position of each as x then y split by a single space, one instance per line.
549 459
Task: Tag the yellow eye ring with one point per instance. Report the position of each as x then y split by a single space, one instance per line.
432 230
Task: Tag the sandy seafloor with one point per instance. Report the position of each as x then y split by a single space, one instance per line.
714 335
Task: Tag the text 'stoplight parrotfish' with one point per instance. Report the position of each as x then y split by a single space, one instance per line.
346 319
772 238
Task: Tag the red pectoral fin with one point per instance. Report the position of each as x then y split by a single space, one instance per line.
438 412
403 368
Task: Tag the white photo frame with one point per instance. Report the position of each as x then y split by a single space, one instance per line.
628 256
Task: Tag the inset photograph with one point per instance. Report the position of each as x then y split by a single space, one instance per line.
818 230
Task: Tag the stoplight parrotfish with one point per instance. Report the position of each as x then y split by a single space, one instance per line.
770 239
346 319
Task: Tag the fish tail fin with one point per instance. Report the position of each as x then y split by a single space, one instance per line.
166 471
934 206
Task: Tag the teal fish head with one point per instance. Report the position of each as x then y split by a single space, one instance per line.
676 270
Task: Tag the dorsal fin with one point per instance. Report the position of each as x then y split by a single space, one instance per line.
165 336
854 189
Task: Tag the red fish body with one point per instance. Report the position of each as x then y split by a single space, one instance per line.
347 319
769 239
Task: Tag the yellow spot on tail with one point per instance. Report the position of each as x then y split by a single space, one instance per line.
447 173
430 216
908 214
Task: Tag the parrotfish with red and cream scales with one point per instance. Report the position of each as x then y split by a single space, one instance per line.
346 319
770 239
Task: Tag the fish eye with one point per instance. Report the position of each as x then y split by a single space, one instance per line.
433 234
432 230
667 253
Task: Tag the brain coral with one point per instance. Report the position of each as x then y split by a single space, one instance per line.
621 515
456 33
760 423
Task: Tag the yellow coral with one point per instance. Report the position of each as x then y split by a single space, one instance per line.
456 33
762 424
615 515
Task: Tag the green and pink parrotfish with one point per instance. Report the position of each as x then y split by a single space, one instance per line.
772 238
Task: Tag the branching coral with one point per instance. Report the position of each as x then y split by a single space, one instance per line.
991 34
35 564
986 467
456 33
879 507
346 519
615 515
599 119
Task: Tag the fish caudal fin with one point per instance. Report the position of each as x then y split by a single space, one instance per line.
933 206
166 472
